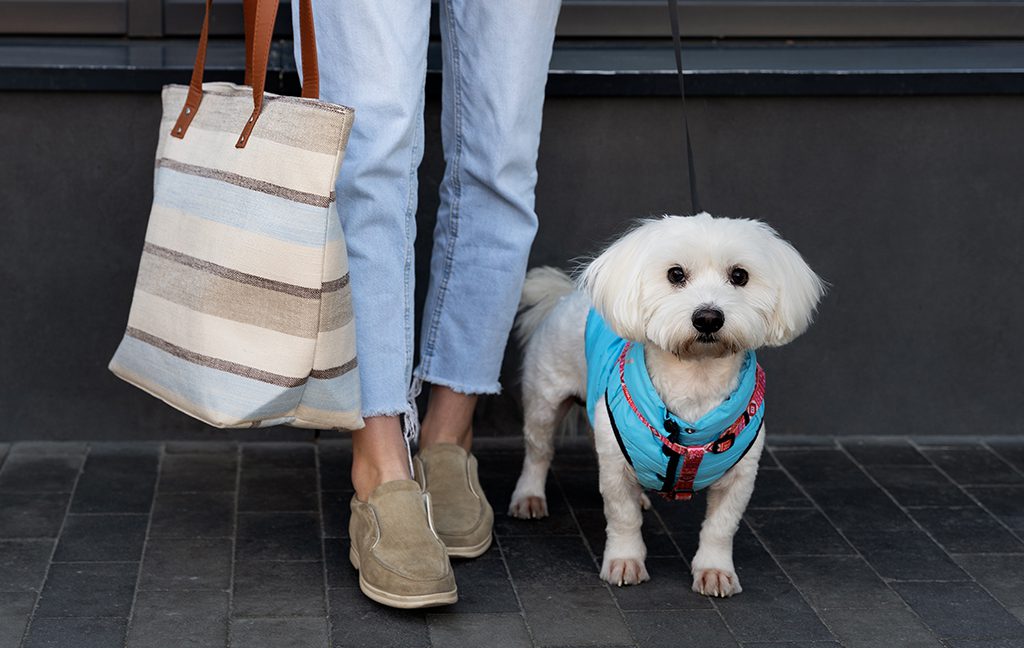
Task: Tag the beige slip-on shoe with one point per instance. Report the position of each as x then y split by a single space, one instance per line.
463 518
401 560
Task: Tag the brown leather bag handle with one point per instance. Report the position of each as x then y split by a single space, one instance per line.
259 24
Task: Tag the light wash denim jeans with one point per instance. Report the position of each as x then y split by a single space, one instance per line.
372 57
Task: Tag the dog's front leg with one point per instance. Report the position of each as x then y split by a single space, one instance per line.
624 549
712 566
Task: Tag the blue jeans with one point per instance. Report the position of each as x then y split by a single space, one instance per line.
372 57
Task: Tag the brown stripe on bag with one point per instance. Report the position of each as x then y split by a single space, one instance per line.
248 183
210 293
215 363
333 372
336 310
241 277
337 284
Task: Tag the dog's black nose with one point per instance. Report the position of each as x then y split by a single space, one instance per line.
708 320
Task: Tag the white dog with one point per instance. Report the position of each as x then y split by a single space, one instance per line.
671 312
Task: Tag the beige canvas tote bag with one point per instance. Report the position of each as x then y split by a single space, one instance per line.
242 313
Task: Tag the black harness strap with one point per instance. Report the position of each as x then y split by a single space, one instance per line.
615 429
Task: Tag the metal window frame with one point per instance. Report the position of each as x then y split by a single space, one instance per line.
579 18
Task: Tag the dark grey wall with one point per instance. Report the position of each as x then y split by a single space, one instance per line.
910 207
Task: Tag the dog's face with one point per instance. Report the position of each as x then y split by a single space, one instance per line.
698 286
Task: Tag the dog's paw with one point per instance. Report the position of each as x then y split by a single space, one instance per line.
716 582
528 507
624 571
645 502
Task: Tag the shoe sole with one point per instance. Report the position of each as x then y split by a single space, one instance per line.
470 552
397 600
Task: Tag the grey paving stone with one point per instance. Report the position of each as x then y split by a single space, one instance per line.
985 643
16 604
770 607
890 627
186 564
11 630
336 512
883 452
4 448
278 589
340 572
960 610
32 515
797 531
963 530
670 630
207 514
491 630
23 564
117 480
484 587
1005 502
907 554
1009 449
192 472
791 644
973 466
48 448
87 633
555 561
358 621
559 521
88 590
277 490
201 447
190 619
580 488
278 536
1001 575
257 456
102 538
279 633
335 468
920 486
40 473
774 489
839 582
659 543
572 615
668 589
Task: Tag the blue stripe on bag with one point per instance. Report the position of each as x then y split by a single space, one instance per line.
225 393
221 202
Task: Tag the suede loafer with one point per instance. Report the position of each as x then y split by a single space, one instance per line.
401 560
462 516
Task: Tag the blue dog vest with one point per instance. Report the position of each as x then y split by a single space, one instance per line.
669 455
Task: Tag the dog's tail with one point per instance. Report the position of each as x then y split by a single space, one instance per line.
543 288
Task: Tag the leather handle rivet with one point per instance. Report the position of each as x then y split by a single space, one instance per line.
178 129
188 110
250 119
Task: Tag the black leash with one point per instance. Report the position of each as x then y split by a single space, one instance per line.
673 13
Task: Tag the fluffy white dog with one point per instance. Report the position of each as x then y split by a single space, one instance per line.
694 296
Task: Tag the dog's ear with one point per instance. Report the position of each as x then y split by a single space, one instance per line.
613 281
799 291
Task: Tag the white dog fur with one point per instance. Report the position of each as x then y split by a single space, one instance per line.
629 286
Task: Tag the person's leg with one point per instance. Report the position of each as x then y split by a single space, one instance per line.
372 57
496 57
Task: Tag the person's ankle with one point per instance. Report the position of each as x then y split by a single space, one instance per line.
433 435
379 455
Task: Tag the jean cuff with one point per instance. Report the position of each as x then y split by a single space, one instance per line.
455 386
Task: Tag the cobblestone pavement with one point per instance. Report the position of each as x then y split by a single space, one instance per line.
856 543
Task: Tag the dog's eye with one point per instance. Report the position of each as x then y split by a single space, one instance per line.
738 277
676 276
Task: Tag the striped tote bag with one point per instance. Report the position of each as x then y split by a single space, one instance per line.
242 313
